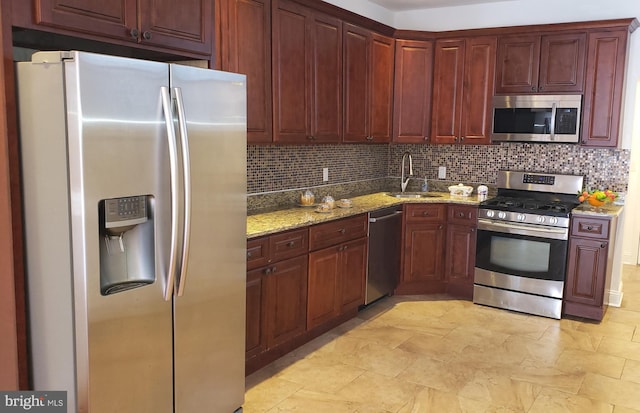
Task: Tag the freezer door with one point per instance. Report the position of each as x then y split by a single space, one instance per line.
116 147
209 316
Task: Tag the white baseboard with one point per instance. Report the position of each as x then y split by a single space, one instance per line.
614 298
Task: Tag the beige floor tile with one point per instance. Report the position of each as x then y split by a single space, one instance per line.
631 371
581 361
621 348
433 346
615 391
562 337
544 352
326 376
267 394
622 409
445 376
553 401
384 335
622 315
306 401
547 376
498 389
377 390
611 329
433 400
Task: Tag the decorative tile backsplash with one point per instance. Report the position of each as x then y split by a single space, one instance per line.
273 172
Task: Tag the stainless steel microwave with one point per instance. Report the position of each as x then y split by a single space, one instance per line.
536 118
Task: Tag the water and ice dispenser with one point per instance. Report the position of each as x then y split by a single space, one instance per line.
127 256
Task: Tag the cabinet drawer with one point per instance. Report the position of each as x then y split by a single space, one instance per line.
590 227
257 252
462 214
288 244
425 212
336 232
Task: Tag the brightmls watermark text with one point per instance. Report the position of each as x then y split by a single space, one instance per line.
33 401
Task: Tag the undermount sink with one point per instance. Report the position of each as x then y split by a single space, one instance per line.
414 195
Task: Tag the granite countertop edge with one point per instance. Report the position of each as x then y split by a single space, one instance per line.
607 211
297 217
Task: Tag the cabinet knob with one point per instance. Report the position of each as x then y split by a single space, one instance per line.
134 33
533 88
440 226
461 138
460 214
603 245
249 254
426 138
589 228
311 138
342 231
290 244
273 269
541 88
369 138
455 139
147 35
425 213
472 230
267 271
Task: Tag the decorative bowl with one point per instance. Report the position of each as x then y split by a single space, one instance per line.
460 190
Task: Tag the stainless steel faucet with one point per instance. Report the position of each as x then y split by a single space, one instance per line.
403 182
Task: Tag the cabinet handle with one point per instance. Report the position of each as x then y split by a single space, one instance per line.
267 271
533 88
425 213
340 248
440 226
134 33
589 228
290 244
249 254
541 88
455 139
311 138
461 138
342 231
472 229
147 35
460 214
603 245
274 269
369 138
426 138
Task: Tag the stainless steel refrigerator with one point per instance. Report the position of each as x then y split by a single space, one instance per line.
134 182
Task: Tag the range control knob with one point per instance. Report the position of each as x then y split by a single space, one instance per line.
540 219
521 217
502 215
490 213
553 220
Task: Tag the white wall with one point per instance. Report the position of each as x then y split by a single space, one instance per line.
524 12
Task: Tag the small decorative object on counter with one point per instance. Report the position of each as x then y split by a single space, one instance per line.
483 192
329 201
460 190
307 198
344 203
425 185
323 208
598 197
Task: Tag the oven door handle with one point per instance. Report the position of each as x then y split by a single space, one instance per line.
531 230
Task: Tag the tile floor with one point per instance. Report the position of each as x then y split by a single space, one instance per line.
437 354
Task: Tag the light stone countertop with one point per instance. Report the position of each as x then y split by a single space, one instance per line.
297 217
608 210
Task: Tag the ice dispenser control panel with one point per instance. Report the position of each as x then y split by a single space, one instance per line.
121 212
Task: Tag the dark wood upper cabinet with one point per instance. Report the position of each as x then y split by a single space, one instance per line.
186 25
602 106
412 91
307 69
553 63
246 49
464 70
368 85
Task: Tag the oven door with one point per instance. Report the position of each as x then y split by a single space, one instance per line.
515 250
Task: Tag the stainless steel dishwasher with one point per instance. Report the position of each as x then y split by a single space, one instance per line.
383 269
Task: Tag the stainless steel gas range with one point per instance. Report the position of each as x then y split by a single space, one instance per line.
522 242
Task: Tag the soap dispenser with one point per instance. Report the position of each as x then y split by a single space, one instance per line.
425 185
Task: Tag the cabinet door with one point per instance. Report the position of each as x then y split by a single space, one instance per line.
518 64
424 257
356 83
291 72
186 25
353 264
412 94
447 90
326 84
324 270
114 19
381 89
562 58
460 259
286 300
586 272
247 50
602 106
254 339
479 77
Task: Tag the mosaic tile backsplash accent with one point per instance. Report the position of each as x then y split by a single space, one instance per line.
275 174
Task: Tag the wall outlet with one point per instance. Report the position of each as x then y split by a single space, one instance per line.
442 172
325 174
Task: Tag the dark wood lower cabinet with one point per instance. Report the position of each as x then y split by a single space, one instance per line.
589 266
460 260
423 270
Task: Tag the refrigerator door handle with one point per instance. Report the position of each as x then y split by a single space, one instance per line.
186 173
167 108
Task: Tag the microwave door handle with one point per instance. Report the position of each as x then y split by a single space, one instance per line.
554 109
186 174
167 108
